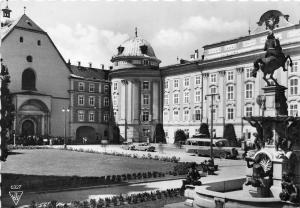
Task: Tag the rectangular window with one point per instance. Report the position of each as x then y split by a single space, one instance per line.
81 86
146 98
249 91
106 88
80 115
293 110
105 117
146 85
92 100
187 82
166 133
176 83
213 90
197 115
213 78
248 111
115 86
230 92
229 113
197 96
294 86
186 115
91 87
230 76
106 101
186 97
294 67
166 84
166 99
91 116
175 115
145 116
115 100
248 73
80 100
146 132
166 115
198 80
176 98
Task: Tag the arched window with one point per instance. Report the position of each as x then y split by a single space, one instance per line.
28 80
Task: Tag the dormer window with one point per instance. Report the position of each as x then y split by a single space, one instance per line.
146 62
144 49
21 39
29 23
39 42
120 50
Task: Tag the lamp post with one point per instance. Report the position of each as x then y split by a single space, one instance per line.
211 123
65 110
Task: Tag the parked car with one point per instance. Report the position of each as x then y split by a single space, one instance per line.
128 146
145 147
221 148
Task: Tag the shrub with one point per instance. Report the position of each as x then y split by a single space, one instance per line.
180 136
204 129
229 134
159 134
182 168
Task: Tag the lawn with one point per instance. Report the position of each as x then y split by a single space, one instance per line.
69 163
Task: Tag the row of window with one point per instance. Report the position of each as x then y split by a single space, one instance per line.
197 98
213 79
144 62
91 87
21 39
91 116
92 101
197 114
145 85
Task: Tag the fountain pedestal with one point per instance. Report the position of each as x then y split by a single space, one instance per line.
275 99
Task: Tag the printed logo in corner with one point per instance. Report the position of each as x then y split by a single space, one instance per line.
15 194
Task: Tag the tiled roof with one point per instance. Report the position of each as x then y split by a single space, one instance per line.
88 73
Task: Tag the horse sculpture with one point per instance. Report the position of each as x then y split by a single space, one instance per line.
273 60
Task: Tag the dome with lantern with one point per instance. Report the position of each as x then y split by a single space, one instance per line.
135 52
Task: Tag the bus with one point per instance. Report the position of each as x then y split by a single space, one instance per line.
201 147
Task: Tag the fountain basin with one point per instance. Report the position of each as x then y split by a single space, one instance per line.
230 194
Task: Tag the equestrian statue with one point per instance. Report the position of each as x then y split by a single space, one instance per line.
273 60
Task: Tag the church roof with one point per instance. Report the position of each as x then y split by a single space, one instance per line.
24 22
88 73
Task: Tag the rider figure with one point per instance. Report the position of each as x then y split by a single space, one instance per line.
273 47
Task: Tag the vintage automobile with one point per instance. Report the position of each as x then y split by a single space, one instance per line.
144 147
128 146
201 147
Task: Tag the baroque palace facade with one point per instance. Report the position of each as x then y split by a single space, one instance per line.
54 97
179 95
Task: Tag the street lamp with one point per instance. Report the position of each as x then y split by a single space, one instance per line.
65 110
211 123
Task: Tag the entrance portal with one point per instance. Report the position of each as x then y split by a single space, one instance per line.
86 134
28 128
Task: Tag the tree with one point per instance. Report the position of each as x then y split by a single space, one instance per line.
116 134
204 129
7 112
229 134
159 134
180 136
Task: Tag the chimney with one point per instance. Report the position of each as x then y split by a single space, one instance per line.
78 63
102 66
90 64
110 67
69 62
202 57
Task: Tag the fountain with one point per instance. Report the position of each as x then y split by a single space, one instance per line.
273 176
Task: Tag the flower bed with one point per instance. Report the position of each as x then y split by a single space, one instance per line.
133 155
115 201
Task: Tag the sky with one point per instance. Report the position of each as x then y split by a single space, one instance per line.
91 30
